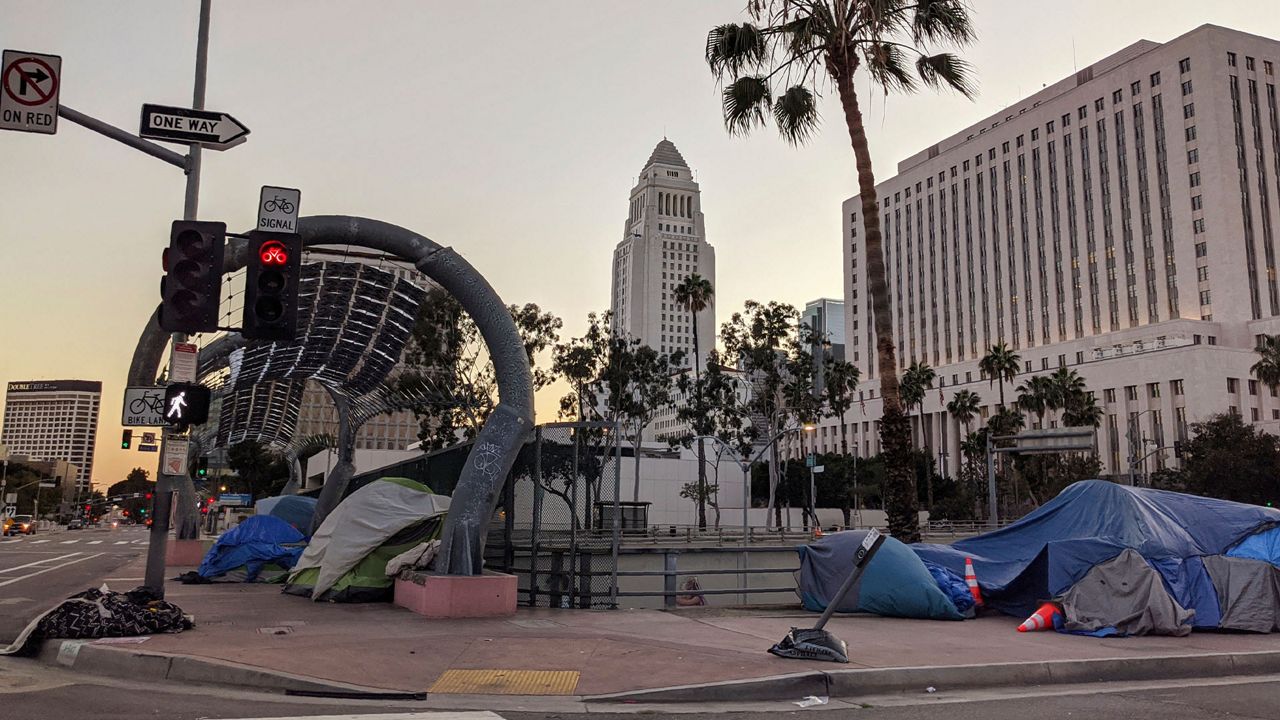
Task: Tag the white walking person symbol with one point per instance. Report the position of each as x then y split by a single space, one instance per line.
178 402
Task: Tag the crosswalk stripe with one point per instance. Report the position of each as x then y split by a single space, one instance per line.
122 542
68 542
419 715
95 542
37 542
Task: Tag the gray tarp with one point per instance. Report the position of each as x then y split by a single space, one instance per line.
1248 591
1125 593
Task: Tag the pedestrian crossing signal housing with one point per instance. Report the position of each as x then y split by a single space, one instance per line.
271 286
186 404
191 289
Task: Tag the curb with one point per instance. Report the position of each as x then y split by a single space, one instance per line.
130 664
857 683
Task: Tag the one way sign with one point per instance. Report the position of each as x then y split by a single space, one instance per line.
214 130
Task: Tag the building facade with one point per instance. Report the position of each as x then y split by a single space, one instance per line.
663 242
54 420
1120 222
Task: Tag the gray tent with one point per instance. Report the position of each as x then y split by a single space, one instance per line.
1127 594
1248 592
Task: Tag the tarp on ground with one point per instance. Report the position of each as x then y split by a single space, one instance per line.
1124 595
351 548
1248 592
1042 555
894 583
297 510
259 542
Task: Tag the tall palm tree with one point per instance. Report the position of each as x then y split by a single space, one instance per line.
1000 363
1084 412
1035 395
694 294
840 380
1065 388
964 407
1267 369
794 46
916 381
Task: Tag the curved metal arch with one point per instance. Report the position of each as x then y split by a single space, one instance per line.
503 434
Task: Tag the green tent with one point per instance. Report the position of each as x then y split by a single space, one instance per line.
348 555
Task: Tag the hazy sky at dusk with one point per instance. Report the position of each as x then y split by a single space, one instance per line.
511 131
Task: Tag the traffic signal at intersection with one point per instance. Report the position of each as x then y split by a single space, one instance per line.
191 289
126 440
186 404
271 286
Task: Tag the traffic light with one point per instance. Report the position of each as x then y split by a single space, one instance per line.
126 440
271 286
202 467
186 404
1177 449
192 286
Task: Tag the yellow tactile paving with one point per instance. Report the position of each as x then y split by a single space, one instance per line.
507 682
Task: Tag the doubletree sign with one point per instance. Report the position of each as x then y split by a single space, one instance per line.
186 404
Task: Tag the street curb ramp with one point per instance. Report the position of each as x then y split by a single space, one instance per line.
115 661
858 683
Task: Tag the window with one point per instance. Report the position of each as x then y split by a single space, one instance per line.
1117 97
1175 387
1253 387
1198 225
1268 68
1019 139
1193 156
1248 63
1231 59
1066 120
1155 79
1186 87
1233 385
1082 112
1202 273
1184 65
1206 299
1109 395
1233 410
1254 414
1135 88
1213 339
1197 203
1191 133
1153 389
1004 147
1194 179
1189 111
1048 127
1130 392
1098 105
1035 134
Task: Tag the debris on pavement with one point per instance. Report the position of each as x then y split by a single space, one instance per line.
813 700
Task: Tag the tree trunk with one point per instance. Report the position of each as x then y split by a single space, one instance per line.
702 448
846 497
635 451
895 430
773 475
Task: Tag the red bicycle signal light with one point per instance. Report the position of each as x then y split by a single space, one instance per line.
273 253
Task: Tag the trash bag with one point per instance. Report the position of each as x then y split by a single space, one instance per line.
98 614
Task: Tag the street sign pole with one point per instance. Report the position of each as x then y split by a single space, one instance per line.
165 483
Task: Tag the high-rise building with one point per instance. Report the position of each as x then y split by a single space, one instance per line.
663 242
54 420
1120 222
825 319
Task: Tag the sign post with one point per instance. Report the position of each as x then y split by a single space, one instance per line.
29 85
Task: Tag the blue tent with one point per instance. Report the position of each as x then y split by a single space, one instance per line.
259 542
1091 522
297 510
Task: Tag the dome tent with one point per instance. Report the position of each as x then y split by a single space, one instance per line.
346 560
261 548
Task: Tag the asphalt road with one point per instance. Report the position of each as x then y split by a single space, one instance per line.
38 571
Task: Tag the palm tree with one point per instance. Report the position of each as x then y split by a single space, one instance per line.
803 44
1035 395
1084 412
1065 388
694 294
917 379
1267 369
1000 363
964 407
840 380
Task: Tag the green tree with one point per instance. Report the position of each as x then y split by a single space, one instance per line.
694 294
999 364
840 379
449 376
1035 395
964 407
1083 412
1229 459
1267 368
259 471
651 386
714 408
916 382
794 47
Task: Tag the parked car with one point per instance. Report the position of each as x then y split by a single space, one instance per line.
20 525
76 524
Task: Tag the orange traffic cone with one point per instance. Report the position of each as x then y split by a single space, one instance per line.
971 579
817 533
1042 619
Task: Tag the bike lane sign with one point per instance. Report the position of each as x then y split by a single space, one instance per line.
278 209
143 407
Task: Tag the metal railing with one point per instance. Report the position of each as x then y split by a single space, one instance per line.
670 574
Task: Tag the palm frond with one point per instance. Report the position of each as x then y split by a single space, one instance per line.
888 67
946 70
733 48
796 113
942 21
745 100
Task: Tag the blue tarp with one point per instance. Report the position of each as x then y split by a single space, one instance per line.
1049 550
1263 546
895 583
297 510
258 540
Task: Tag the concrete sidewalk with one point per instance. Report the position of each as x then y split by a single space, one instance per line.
253 634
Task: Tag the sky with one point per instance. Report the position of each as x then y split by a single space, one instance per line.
510 131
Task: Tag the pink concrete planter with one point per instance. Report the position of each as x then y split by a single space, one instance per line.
451 596
184 553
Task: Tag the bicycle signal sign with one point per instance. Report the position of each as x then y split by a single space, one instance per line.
143 407
278 209
29 84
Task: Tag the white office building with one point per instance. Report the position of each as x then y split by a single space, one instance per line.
1120 222
54 420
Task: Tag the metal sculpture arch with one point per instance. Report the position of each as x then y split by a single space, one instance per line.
503 434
